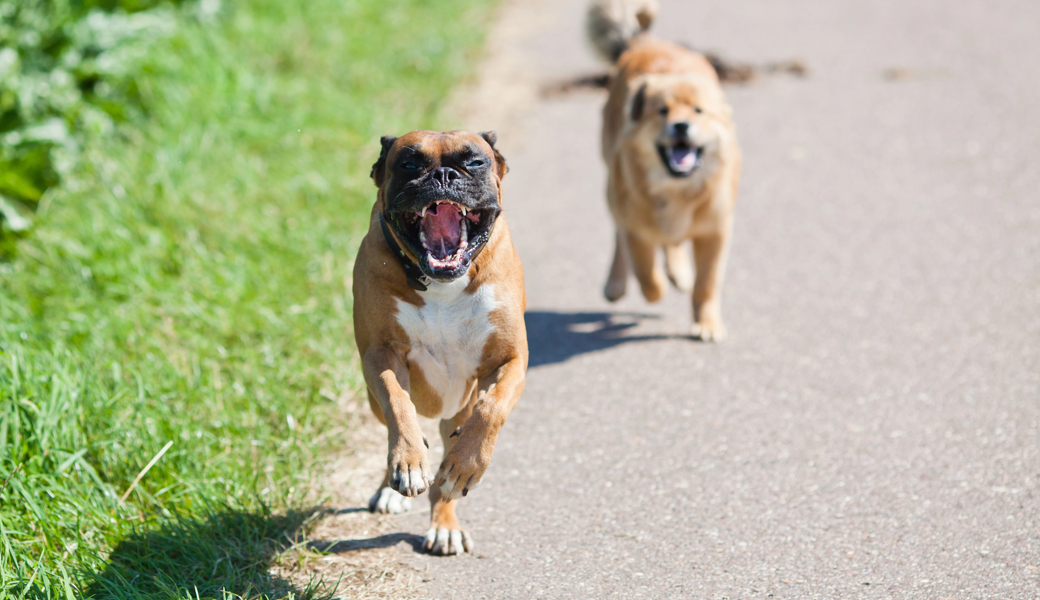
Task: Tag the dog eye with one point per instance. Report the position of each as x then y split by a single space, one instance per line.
697 110
664 110
409 166
476 162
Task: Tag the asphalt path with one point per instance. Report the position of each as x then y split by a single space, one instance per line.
871 428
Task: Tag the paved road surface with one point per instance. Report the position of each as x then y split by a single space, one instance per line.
871 429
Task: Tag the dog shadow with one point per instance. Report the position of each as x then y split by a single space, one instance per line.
224 553
373 543
554 337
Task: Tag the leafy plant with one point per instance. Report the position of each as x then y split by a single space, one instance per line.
67 69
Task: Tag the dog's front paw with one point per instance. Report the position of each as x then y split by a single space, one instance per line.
445 541
460 472
408 470
387 501
681 277
708 330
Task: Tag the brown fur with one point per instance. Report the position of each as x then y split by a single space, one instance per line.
397 388
651 208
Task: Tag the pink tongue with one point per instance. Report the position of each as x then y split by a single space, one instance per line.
683 158
441 226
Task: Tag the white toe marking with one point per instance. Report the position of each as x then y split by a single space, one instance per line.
441 546
417 481
386 500
447 541
449 487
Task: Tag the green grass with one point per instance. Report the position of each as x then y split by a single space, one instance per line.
191 285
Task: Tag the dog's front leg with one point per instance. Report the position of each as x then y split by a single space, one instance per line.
465 463
445 536
644 263
709 253
407 466
678 266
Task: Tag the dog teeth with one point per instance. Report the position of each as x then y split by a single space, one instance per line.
464 211
422 238
464 236
422 213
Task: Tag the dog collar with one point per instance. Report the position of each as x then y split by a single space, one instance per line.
417 280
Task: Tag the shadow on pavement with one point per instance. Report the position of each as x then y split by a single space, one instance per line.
554 337
381 541
228 553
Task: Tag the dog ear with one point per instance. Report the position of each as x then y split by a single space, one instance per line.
378 173
646 15
638 103
500 161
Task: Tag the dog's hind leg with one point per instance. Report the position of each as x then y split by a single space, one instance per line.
445 536
679 266
644 263
617 281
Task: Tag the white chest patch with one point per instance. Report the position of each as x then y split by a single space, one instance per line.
447 335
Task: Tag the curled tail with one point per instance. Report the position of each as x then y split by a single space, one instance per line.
612 24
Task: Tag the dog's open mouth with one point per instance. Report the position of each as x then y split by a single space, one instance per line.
445 235
681 158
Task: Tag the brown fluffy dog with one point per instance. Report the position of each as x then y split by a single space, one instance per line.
674 163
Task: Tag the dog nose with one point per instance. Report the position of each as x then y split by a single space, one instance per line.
681 128
445 176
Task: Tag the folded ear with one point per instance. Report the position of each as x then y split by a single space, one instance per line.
500 162
378 173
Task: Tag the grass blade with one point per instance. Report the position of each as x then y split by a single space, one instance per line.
150 464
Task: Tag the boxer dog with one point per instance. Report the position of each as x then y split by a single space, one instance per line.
673 162
439 318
